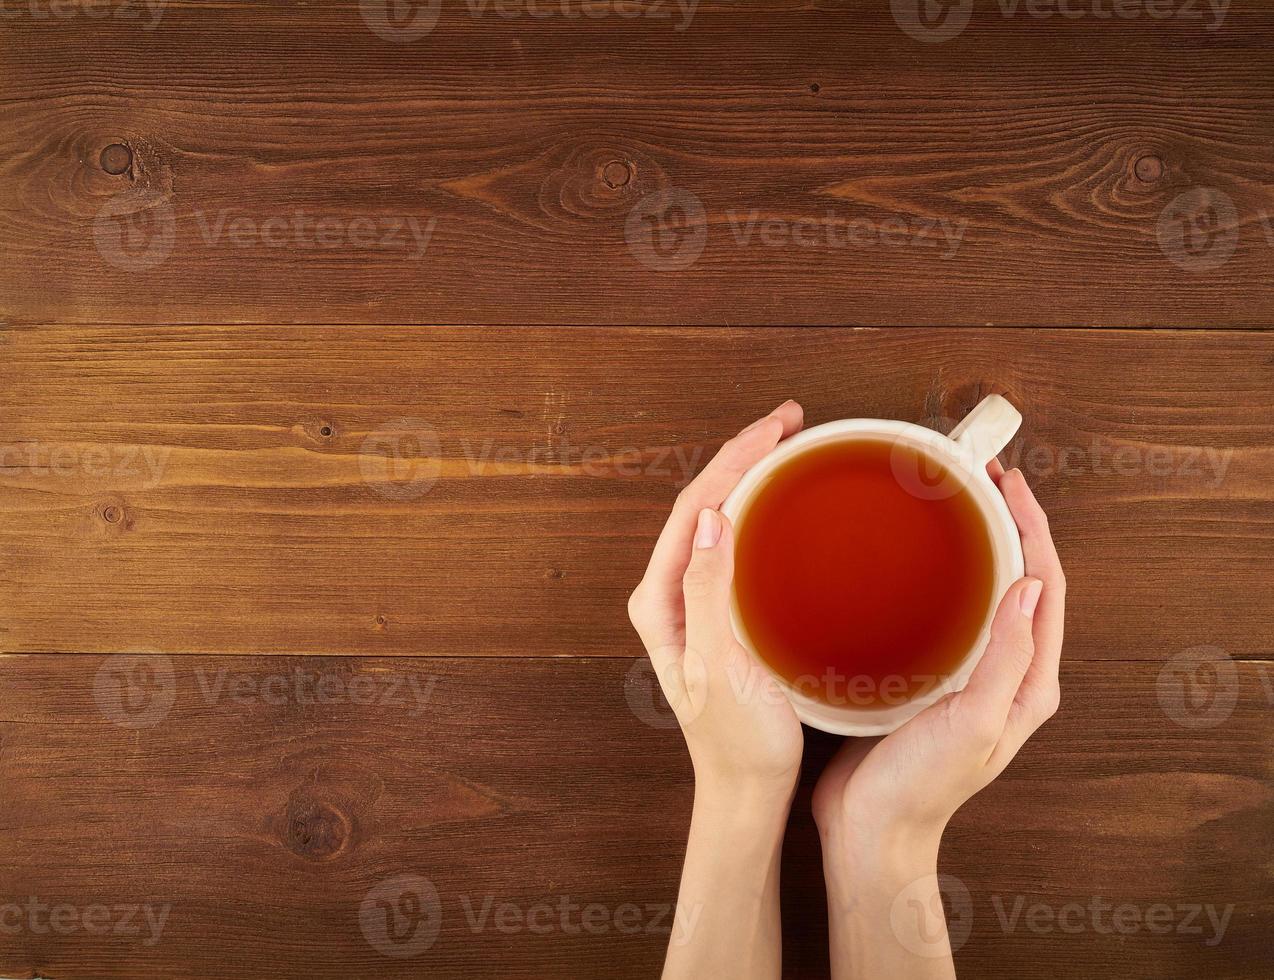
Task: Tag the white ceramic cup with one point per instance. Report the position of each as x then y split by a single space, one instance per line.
963 456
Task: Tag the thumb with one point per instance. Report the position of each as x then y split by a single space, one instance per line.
999 674
706 585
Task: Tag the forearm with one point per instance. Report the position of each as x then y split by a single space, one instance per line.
885 914
727 921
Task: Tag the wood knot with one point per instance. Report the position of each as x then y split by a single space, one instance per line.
315 829
949 402
1148 168
116 159
317 429
595 179
568 185
617 173
113 516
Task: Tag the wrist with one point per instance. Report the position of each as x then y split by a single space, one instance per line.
886 914
885 858
744 799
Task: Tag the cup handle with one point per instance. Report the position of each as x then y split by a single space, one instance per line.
987 429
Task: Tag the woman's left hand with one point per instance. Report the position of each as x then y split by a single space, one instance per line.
908 784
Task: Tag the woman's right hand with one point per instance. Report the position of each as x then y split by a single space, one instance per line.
741 730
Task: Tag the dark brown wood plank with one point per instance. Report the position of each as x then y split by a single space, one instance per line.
261 818
1051 148
470 492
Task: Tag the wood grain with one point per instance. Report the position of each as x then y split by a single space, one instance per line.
261 818
1016 174
215 481
477 492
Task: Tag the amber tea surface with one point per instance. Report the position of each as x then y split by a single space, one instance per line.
855 588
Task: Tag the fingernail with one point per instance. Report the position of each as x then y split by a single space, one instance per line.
708 533
766 418
1031 596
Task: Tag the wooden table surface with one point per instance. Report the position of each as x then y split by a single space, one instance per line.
352 353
